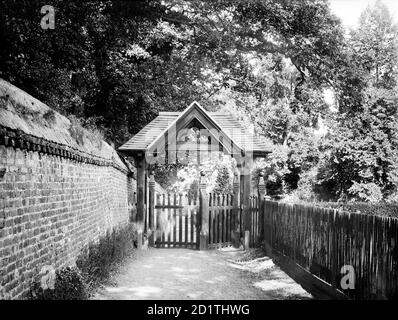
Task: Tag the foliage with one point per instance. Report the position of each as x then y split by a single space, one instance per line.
366 191
218 172
102 257
93 267
69 285
274 168
385 209
359 155
223 181
113 65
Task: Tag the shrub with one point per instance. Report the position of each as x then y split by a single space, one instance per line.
101 258
366 191
69 285
76 130
49 116
93 268
384 209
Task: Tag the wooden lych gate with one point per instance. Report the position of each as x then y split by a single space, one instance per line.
207 220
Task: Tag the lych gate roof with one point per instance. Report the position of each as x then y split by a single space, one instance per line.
149 133
241 137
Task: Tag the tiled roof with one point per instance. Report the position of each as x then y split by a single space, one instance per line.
149 133
232 127
244 137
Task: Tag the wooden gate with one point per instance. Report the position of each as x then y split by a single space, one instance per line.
204 221
176 221
221 220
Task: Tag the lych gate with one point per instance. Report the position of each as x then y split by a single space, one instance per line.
209 220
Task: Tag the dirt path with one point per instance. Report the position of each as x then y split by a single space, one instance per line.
181 274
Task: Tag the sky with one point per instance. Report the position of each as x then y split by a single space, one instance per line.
350 10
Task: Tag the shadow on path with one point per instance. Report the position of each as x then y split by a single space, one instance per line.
183 274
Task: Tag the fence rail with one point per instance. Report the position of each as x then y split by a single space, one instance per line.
324 240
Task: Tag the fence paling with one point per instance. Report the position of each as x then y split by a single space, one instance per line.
254 220
324 240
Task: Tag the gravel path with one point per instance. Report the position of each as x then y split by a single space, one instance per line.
183 274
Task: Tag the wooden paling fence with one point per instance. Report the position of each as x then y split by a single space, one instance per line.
176 221
323 241
221 220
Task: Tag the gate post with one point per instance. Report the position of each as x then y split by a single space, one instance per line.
152 209
141 165
236 209
245 203
204 214
261 194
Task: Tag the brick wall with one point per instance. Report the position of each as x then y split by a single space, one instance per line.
50 208
58 190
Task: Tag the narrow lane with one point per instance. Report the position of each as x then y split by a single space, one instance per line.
183 274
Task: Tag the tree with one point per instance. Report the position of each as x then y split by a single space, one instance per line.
361 151
116 64
375 45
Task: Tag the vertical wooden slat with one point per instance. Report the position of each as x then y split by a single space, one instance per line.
164 214
215 220
157 226
192 218
173 220
227 221
179 240
224 220
211 222
185 213
216 215
169 218
219 221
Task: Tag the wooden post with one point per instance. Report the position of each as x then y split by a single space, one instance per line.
267 222
247 240
236 212
261 193
245 200
141 170
140 240
204 214
152 230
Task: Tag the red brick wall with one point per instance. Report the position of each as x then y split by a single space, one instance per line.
50 208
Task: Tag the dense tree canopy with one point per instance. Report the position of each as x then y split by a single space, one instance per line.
115 64
362 149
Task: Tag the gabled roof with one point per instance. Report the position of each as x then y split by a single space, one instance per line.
231 128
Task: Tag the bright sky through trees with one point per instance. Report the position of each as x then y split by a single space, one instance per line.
350 10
